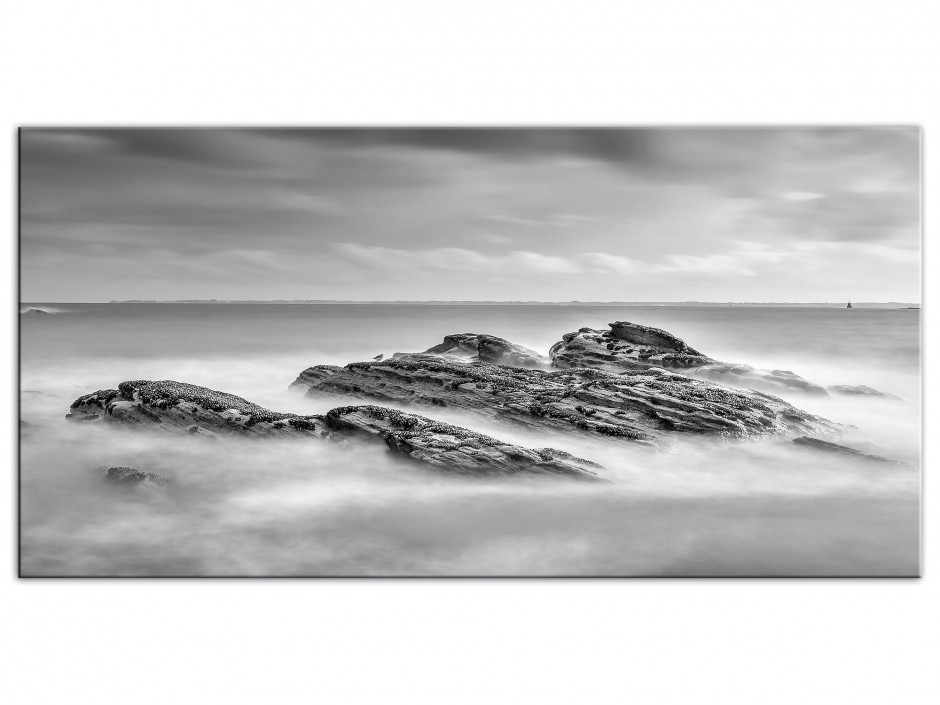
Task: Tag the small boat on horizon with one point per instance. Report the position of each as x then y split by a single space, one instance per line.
849 305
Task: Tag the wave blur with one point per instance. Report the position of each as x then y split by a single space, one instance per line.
250 507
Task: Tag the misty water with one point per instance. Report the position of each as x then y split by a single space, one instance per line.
265 507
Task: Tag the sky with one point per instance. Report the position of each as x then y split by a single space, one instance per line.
635 214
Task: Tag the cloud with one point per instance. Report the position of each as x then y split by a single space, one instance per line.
601 263
550 220
743 259
842 215
708 264
801 196
361 213
463 260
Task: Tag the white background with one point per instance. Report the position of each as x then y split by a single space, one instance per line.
353 62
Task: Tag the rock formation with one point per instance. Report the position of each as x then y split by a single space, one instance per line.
631 346
470 347
859 391
453 448
186 408
133 476
645 406
837 448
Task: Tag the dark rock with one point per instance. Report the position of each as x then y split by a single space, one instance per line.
454 449
631 346
133 476
830 447
186 407
650 337
859 390
644 406
471 347
173 406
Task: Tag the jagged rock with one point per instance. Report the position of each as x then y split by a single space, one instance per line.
631 346
830 447
626 346
133 476
470 347
859 390
174 406
453 448
186 407
645 406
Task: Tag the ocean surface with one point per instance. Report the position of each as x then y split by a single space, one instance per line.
253 507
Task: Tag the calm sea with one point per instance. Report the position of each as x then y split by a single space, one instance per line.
244 507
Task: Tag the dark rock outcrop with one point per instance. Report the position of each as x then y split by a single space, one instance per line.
644 405
630 346
186 408
624 347
453 448
836 448
133 476
471 347
859 391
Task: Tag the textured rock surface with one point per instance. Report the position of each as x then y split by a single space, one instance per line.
186 408
486 348
133 476
644 406
453 448
198 410
630 346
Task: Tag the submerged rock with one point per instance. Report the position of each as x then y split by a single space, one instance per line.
830 447
471 347
189 409
133 476
453 448
631 346
645 406
860 390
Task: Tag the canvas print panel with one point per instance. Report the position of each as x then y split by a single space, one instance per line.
470 352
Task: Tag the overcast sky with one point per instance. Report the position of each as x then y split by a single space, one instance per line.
552 215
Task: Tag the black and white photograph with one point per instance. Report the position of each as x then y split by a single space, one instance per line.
493 352
425 351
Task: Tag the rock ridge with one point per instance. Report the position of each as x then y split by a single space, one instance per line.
632 346
645 406
185 408
485 348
